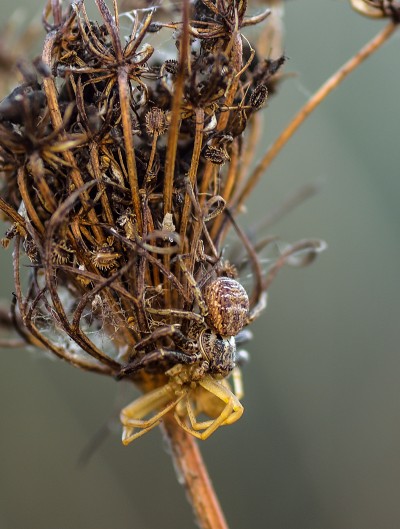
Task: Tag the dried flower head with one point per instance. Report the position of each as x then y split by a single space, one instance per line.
122 174
156 122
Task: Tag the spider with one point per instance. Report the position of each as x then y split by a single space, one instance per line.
203 359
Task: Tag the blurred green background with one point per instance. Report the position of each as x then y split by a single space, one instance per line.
319 443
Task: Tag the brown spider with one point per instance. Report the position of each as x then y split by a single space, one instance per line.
204 358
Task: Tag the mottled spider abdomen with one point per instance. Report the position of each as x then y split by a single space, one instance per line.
228 306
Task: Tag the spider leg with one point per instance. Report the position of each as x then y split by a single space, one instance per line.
132 416
231 412
237 381
160 332
180 339
245 335
195 288
178 357
177 312
221 389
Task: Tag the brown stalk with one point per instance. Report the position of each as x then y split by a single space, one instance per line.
94 159
173 132
27 200
191 468
12 344
252 143
10 212
199 113
124 92
175 111
231 181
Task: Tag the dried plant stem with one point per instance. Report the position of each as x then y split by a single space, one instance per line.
191 468
10 212
174 128
175 113
199 113
124 89
333 82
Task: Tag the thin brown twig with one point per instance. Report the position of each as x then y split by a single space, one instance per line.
333 82
175 112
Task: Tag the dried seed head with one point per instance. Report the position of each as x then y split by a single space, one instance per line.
5 242
154 27
259 96
216 155
105 258
171 66
62 253
228 306
156 121
31 250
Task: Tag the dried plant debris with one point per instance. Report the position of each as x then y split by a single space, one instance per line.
378 8
122 167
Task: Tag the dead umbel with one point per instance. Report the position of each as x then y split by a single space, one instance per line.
124 166
122 176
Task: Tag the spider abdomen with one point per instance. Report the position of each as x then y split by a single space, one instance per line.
228 306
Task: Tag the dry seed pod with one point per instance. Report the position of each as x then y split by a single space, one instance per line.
216 155
171 66
259 96
105 257
228 306
62 253
156 122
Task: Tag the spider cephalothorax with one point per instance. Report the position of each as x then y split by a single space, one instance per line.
219 352
203 358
